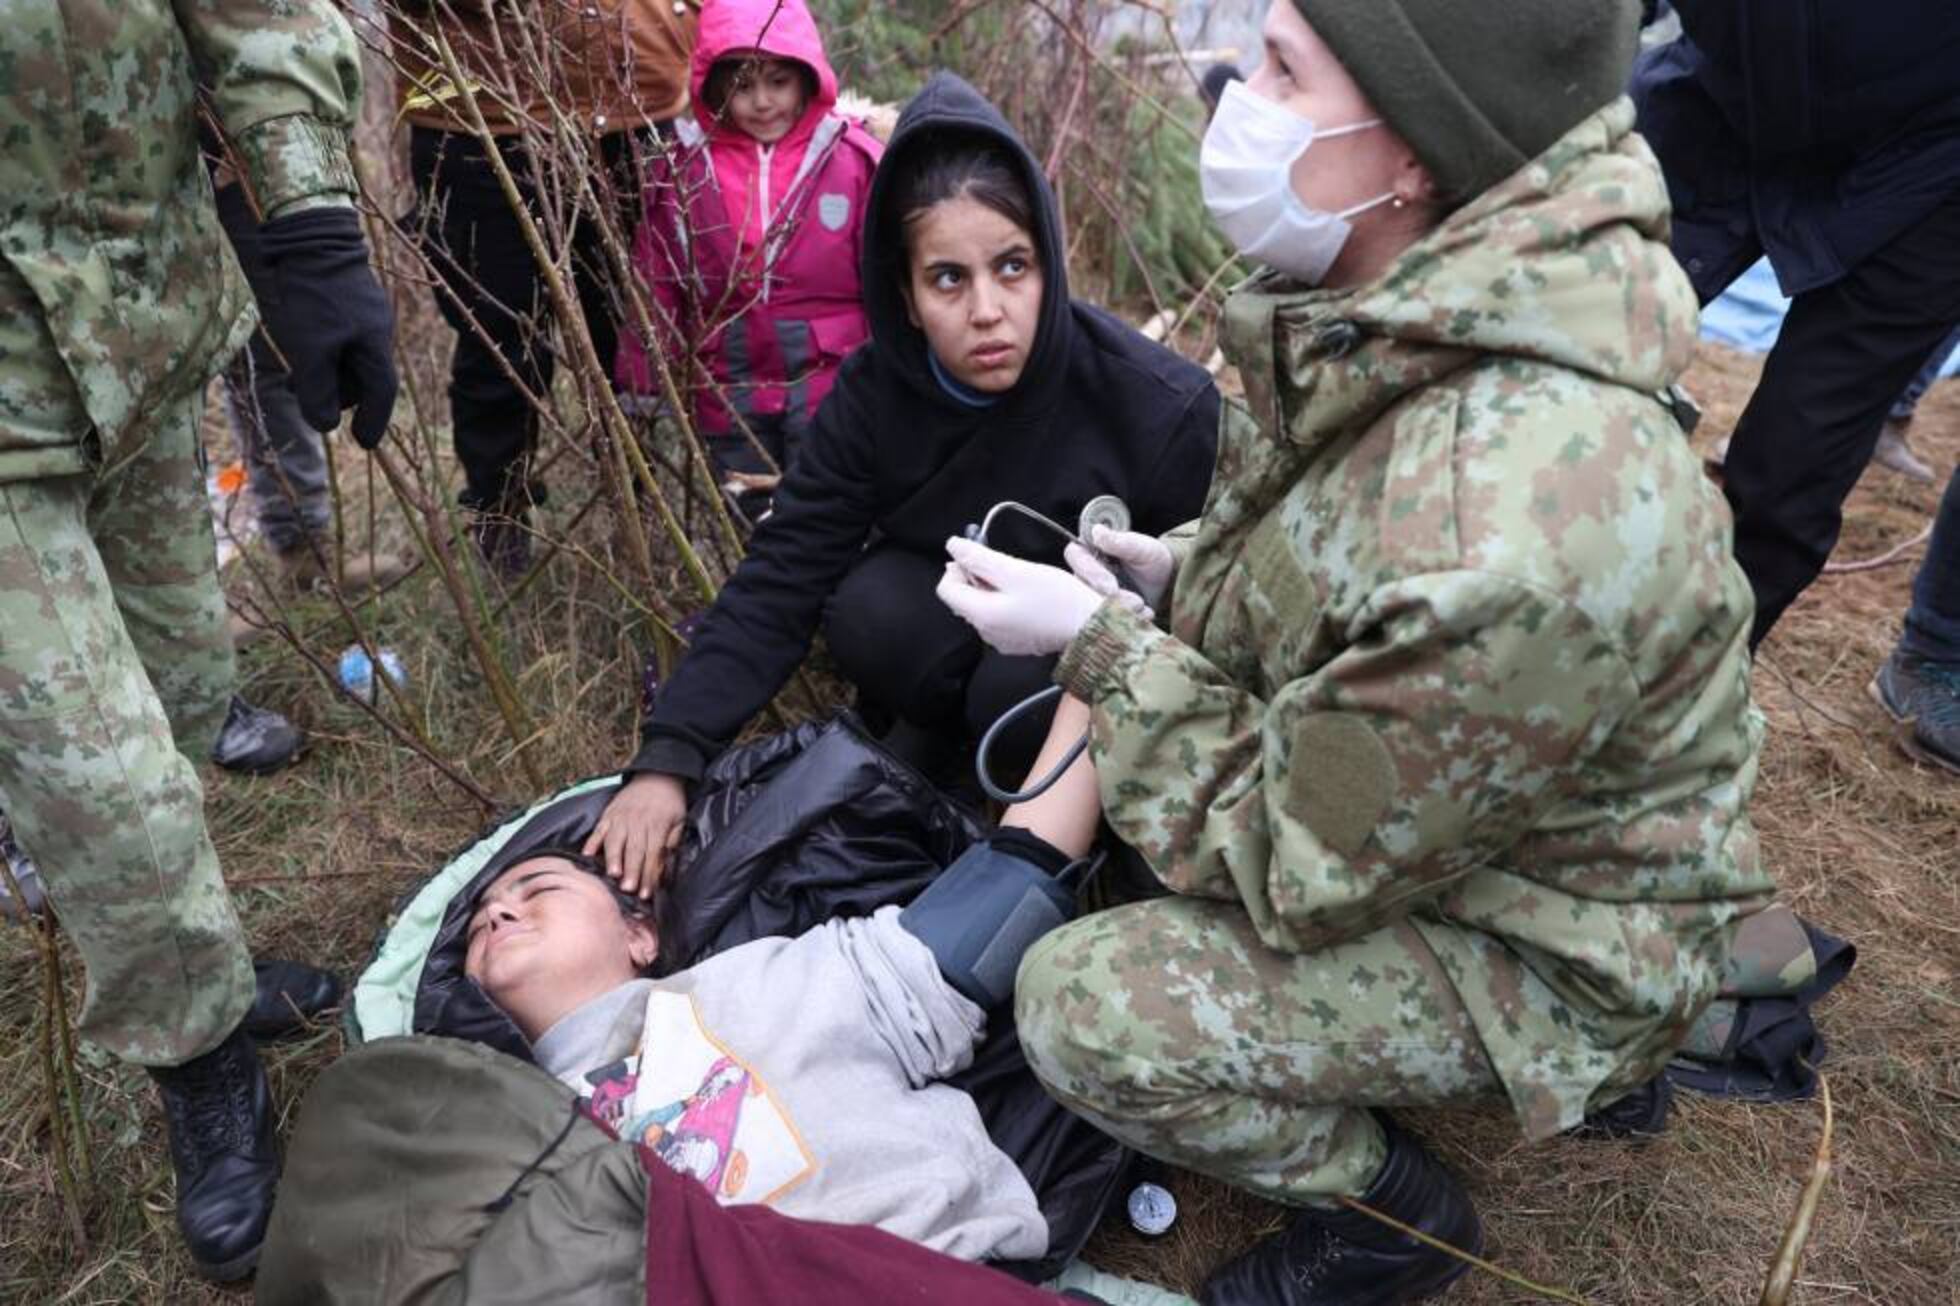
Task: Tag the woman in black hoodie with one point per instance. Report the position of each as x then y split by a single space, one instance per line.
971 391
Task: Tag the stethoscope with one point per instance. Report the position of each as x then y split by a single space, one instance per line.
1103 510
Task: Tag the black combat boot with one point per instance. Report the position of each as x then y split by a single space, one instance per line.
504 542
1344 1258
288 995
500 524
1637 1117
219 1112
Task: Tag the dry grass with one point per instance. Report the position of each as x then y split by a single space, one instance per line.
1864 842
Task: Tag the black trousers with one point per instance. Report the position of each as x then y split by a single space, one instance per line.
913 661
1844 353
489 276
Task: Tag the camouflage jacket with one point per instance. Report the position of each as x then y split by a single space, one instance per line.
1460 636
119 295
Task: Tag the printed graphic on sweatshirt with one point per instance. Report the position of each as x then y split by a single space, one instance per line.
704 1111
608 1091
833 210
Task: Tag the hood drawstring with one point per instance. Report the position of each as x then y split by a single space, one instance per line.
502 1203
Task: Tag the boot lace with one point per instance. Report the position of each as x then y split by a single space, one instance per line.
1320 1257
210 1111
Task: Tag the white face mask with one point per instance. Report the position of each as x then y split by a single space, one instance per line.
1246 168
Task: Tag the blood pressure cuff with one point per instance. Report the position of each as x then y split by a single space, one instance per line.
984 912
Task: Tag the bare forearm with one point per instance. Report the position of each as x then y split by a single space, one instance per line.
1069 812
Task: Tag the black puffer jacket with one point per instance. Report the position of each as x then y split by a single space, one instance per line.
1098 410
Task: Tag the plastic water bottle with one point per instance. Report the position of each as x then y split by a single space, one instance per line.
1152 1209
356 671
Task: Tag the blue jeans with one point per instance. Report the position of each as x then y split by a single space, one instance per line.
1933 621
1916 388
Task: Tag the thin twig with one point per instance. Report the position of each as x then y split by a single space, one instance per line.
1894 554
1515 1280
1130 84
65 1047
1789 1253
294 881
64 1112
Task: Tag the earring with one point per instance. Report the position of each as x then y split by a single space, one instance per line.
1398 203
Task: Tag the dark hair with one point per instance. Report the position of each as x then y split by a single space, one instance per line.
720 86
656 915
1216 79
979 168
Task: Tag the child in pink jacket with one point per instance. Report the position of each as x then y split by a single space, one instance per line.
749 245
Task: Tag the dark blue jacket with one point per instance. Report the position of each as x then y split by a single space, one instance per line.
1811 130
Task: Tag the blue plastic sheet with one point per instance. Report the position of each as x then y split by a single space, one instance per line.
1750 312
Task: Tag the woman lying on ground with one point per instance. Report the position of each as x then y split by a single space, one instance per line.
801 1074
983 382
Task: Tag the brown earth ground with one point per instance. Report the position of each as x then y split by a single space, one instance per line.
1864 841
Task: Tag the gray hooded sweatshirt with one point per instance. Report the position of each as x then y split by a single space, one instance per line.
803 1074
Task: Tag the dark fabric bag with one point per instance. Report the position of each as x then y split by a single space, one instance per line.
1772 1047
785 833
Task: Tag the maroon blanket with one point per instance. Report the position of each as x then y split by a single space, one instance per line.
700 1253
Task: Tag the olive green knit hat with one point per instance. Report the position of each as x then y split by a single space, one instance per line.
1479 89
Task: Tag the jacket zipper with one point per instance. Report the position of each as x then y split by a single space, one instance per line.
768 153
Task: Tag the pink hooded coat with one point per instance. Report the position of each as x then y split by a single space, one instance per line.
749 253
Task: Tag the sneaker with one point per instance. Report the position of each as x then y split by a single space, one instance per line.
218 1111
1923 699
26 874
360 570
1894 454
255 740
299 571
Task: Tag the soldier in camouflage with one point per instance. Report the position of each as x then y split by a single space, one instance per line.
119 298
1446 748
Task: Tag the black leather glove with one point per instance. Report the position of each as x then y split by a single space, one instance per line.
331 320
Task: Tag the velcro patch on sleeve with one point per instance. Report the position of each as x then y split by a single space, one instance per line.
1341 779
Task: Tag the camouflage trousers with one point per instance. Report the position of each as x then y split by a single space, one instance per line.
115 672
1170 1025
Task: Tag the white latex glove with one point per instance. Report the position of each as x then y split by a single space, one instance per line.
1090 570
1018 608
1149 560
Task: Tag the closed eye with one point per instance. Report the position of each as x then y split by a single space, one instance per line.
527 889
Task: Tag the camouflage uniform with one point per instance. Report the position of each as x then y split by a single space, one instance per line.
1452 724
119 298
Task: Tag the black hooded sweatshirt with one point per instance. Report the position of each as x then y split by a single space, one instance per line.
891 455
